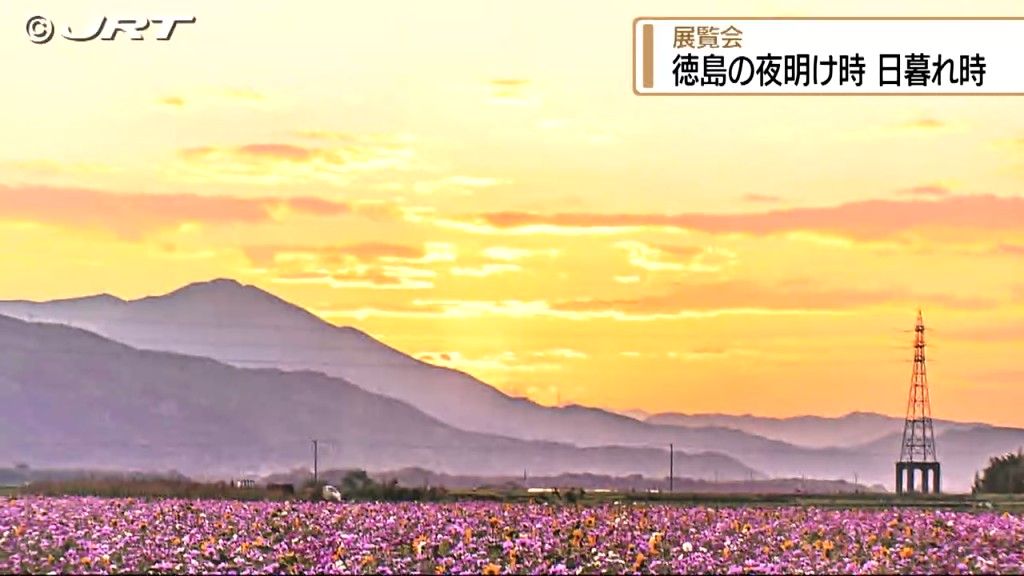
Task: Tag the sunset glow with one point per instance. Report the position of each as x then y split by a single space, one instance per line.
496 199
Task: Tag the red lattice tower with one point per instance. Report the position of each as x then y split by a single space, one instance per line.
918 435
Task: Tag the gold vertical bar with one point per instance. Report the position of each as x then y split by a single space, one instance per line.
648 56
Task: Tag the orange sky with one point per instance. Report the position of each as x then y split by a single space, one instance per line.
476 184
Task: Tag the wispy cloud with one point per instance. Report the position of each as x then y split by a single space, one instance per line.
133 215
672 258
271 163
372 265
495 367
925 126
42 168
999 331
265 255
244 94
927 191
374 278
512 254
522 309
206 98
762 198
925 123
862 220
733 295
172 101
509 86
510 91
1010 249
683 301
457 185
485 270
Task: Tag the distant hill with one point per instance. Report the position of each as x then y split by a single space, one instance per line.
247 327
811 431
634 414
962 451
73 399
20 476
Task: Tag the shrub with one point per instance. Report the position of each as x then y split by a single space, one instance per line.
357 485
146 488
1004 475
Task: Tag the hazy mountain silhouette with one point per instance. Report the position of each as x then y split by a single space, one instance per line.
245 326
853 429
248 327
73 399
635 414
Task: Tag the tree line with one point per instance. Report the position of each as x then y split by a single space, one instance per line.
1003 475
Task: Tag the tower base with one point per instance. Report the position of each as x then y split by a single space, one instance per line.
931 477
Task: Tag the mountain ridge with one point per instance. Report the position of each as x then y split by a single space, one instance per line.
97 403
850 430
247 332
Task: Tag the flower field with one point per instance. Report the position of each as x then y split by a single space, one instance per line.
108 535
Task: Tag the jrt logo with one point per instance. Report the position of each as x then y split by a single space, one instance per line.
41 30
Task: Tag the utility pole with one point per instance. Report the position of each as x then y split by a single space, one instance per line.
316 471
671 467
